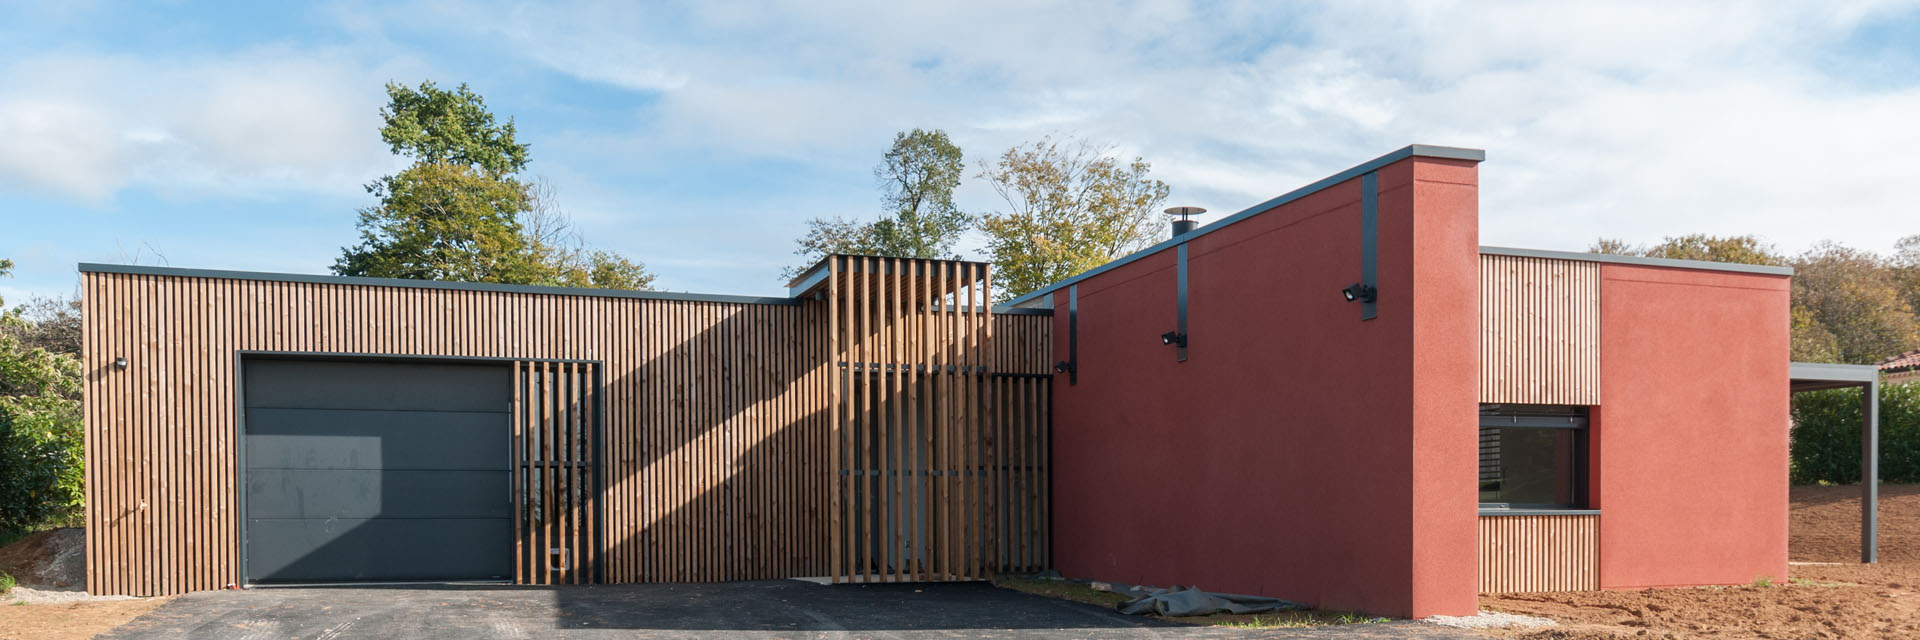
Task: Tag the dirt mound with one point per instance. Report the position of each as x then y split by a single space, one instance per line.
1832 597
55 558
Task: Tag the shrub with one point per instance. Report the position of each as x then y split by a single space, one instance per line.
6 583
1826 435
41 453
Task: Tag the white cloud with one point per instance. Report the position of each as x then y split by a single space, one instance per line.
1622 119
86 126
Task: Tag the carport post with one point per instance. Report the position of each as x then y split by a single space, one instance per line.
1870 471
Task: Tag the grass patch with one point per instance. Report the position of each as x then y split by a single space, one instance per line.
1081 593
6 583
1063 590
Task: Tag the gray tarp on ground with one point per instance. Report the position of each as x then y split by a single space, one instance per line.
1190 601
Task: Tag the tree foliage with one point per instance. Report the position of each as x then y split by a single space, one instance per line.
460 211
917 177
40 427
1071 206
1848 305
1853 295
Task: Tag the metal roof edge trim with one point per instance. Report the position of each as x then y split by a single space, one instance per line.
1702 265
1833 372
1409 151
92 267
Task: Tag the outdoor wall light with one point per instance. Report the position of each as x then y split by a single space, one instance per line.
119 362
1062 367
1173 339
1360 293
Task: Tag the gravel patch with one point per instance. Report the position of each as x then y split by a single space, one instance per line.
1490 620
31 595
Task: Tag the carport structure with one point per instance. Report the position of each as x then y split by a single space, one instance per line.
1816 376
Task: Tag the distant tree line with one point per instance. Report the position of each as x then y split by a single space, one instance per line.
1849 305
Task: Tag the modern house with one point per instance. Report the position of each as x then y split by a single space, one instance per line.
1336 396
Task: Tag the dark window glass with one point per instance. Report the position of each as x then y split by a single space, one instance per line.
1530 466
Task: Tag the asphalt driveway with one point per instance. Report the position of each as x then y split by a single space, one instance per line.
783 609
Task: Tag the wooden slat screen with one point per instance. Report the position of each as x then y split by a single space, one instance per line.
556 428
717 426
1539 553
1539 330
932 407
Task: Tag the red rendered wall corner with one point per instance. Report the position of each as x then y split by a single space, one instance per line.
1690 440
1299 452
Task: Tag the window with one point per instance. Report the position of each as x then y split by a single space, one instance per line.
1533 457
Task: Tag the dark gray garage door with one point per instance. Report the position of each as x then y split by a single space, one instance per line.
376 471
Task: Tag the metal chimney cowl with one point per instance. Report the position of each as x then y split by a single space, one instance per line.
1183 221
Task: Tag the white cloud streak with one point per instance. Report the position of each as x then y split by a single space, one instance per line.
1634 120
240 125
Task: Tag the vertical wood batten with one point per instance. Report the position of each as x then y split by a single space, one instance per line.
1520 554
1539 330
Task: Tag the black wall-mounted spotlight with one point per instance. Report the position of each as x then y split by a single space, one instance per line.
1357 292
1063 367
1173 339
120 362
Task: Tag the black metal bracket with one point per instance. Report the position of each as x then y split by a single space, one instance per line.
1178 337
1071 365
1369 292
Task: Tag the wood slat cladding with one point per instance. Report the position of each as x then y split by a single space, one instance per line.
1521 554
716 432
1539 330
939 416
556 416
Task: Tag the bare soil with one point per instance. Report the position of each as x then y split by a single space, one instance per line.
54 558
51 601
1829 594
70 621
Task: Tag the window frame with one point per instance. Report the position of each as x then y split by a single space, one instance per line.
1561 418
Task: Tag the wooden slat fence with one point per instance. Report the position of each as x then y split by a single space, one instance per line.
931 409
556 427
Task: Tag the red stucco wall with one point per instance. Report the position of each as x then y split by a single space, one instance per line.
1690 440
1300 452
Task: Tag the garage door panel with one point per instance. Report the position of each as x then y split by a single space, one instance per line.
376 471
378 386
360 439
377 549
368 493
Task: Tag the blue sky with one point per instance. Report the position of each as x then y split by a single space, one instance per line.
698 138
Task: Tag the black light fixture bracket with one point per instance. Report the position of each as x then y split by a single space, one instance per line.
1358 292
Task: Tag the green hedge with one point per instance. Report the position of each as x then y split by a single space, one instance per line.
40 463
1826 435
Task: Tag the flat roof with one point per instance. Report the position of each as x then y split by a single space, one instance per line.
93 267
1703 265
1809 376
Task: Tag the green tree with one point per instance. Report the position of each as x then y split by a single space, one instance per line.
917 177
1071 206
1853 295
40 429
1906 270
461 212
